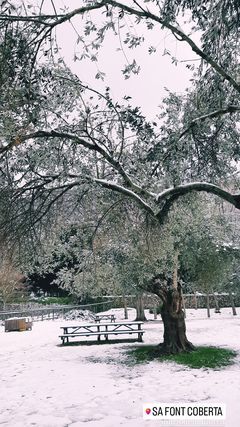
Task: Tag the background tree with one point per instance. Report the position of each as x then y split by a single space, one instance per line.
212 268
12 285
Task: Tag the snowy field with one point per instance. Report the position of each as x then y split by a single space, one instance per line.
46 385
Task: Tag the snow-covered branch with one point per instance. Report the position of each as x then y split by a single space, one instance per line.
172 194
91 145
21 139
125 191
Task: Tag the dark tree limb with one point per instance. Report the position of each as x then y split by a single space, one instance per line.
217 113
177 31
125 191
158 286
172 194
52 20
86 143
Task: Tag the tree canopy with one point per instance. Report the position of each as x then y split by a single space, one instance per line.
195 135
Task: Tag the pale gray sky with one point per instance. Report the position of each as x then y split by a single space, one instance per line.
157 70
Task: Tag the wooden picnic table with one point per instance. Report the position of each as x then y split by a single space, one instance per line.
102 329
99 317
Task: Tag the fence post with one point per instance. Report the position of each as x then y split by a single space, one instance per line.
208 305
125 307
217 308
184 305
195 301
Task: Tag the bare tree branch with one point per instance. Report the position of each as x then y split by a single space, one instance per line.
52 20
177 31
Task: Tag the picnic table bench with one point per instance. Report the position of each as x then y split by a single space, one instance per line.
102 329
100 317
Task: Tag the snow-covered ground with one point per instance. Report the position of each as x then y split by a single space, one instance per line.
46 385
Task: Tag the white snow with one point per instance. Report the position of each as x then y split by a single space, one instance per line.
46 385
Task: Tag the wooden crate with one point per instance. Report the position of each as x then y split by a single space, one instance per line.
15 324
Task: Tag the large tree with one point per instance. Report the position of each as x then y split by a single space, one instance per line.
81 140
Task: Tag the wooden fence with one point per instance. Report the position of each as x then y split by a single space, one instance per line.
54 312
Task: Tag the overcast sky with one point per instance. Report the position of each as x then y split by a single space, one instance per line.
157 70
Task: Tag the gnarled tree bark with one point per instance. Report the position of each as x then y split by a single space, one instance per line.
172 313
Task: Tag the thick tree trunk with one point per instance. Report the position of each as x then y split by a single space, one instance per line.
173 317
140 315
174 337
232 304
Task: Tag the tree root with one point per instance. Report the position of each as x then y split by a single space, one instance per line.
167 349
